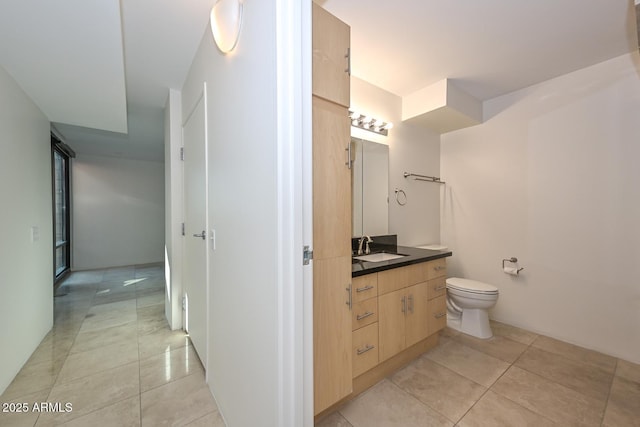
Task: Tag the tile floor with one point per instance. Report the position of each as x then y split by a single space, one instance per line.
112 356
516 378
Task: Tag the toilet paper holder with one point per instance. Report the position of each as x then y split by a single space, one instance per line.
512 260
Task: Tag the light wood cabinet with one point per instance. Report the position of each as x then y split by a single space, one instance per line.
391 323
332 315
409 312
331 331
365 349
417 314
402 319
331 57
435 268
437 314
365 287
331 181
364 313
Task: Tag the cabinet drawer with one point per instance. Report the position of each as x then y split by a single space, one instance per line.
437 287
365 313
437 314
365 349
436 268
364 287
398 278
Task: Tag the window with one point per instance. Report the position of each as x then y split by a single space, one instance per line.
61 208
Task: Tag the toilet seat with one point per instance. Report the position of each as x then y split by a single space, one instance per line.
471 286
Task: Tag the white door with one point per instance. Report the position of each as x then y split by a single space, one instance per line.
195 203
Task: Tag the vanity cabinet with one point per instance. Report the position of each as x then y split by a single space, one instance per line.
411 307
332 303
403 319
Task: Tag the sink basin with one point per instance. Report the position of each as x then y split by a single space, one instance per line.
378 257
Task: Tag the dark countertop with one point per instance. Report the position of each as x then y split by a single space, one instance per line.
414 256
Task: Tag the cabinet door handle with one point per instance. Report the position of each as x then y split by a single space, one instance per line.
349 299
364 316
404 305
440 315
366 288
364 350
411 303
440 288
348 57
348 150
439 267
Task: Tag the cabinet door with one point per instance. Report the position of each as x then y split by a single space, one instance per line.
437 287
331 181
417 313
436 268
437 314
365 287
331 331
364 313
330 40
365 349
391 323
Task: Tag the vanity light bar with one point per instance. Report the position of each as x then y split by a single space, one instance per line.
369 123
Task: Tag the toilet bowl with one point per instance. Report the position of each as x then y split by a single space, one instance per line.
468 302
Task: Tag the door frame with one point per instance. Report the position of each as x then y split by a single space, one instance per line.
201 98
295 215
59 147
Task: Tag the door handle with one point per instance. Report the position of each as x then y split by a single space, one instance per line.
203 235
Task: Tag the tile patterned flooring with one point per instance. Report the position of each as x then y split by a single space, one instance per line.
514 379
112 355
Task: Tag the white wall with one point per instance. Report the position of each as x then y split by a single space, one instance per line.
173 187
118 212
552 178
243 361
26 266
412 149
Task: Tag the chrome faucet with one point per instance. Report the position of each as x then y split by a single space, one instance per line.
367 250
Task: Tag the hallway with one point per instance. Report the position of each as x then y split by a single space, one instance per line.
112 357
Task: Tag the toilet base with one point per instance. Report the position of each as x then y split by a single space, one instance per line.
474 322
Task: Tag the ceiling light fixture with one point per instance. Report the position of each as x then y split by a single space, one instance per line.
226 21
369 123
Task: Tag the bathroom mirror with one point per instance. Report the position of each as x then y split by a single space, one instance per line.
370 188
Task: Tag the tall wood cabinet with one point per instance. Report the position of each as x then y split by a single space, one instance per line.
333 365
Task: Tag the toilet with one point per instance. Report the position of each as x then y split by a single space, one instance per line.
468 302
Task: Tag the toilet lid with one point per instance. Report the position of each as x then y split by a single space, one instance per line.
469 285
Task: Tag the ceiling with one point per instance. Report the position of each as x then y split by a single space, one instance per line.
100 70
488 48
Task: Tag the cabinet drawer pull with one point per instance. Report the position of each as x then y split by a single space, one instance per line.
366 288
439 267
364 316
440 288
440 315
364 350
